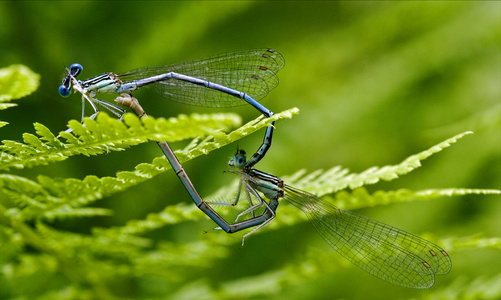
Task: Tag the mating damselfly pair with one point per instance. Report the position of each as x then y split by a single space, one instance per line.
243 77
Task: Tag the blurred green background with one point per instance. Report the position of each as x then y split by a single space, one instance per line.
375 83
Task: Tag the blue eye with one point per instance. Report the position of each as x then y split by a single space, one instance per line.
75 69
64 91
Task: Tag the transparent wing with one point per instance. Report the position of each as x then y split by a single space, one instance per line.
250 71
384 251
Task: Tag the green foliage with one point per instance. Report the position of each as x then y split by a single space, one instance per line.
51 198
16 81
104 135
79 256
375 81
337 179
79 266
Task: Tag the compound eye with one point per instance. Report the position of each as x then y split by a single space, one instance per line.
75 69
64 91
239 161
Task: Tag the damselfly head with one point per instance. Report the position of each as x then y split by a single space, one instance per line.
73 71
239 160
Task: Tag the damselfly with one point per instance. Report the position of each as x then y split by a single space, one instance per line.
227 80
386 252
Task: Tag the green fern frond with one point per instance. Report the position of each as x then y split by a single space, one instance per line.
68 212
181 258
335 179
52 198
108 245
172 214
28 265
107 134
16 81
10 243
125 179
360 197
